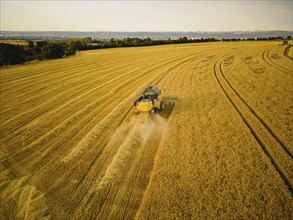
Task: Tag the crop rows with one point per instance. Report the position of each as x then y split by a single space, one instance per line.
72 147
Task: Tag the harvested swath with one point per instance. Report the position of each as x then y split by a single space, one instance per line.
74 149
95 132
19 198
121 159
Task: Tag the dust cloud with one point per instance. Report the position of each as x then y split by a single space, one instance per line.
134 135
152 125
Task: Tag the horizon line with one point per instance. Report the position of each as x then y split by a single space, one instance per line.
148 31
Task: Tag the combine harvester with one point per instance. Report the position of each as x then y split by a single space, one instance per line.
151 101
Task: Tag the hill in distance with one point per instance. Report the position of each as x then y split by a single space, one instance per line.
55 35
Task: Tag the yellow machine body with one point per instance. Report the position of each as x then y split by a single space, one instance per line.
149 101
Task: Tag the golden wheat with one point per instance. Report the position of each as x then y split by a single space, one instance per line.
72 148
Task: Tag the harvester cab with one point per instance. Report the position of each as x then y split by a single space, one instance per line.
149 101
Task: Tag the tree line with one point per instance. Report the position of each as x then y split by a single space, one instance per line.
136 42
258 39
40 50
13 54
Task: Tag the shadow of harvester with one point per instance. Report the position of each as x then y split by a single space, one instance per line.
169 102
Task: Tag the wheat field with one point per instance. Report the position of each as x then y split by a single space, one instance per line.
71 147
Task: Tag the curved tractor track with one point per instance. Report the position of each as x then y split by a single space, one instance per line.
286 52
273 147
267 58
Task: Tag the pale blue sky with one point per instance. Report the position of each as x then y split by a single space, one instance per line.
40 15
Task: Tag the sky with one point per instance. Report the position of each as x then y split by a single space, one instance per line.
150 15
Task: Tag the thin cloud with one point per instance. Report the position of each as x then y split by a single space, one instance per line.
146 15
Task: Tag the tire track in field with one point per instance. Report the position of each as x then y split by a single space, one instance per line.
257 116
278 65
271 145
269 61
286 53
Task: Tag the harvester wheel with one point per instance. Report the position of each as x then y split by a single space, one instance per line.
155 111
162 106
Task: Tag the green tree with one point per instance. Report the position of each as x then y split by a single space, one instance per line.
41 44
53 50
30 44
113 42
11 54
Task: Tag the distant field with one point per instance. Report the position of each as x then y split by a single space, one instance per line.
71 146
14 42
